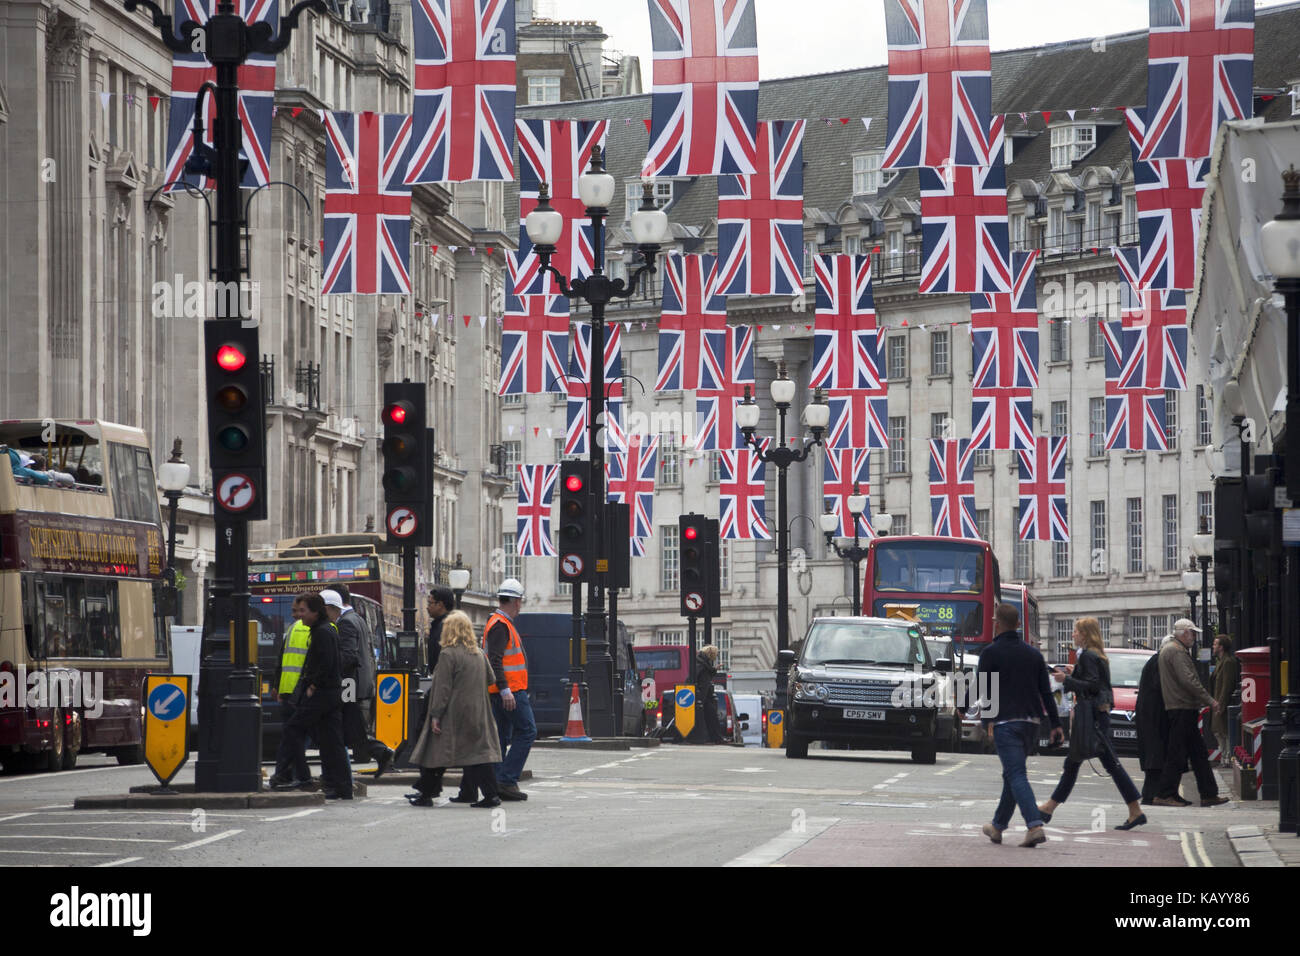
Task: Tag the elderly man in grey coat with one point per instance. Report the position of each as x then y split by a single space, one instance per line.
1184 697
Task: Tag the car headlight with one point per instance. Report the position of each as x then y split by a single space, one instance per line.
822 692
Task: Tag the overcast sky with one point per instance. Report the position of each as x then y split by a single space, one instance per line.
797 37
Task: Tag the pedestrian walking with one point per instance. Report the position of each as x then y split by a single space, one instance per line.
1152 727
1020 695
1089 681
461 730
357 652
441 603
291 769
1227 678
510 703
1184 697
706 668
318 710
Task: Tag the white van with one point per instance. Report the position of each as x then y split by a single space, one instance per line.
749 706
187 641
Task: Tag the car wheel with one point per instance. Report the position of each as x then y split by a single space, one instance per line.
130 756
51 761
796 748
926 753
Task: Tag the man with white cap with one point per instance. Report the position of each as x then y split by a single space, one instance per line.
1184 696
510 705
356 657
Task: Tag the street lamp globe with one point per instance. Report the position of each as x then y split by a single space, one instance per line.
174 474
1279 239
1191 581
830 523
857 504
817 414
544 225
595 186
783 388
747 412
649 223
458 578
884 523
1203 545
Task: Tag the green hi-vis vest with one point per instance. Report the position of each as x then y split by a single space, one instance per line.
295 652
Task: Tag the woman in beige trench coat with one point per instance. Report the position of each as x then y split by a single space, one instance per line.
461 731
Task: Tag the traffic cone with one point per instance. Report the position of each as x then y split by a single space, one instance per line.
575 732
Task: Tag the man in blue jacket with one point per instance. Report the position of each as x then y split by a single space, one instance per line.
1019 694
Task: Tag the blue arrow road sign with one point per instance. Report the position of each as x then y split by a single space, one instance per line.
390 688
685 698
167 702
774 717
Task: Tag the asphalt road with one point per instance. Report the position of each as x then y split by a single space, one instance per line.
671 805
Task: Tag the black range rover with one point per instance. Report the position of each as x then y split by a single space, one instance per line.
862 681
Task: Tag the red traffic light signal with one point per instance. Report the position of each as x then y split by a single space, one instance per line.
397 412
690 533
573 483
230 357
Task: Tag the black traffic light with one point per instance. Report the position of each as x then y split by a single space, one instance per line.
408 472
1261 516
236 419
577 522
699 560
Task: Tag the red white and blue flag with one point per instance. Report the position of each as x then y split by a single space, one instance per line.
1135 418
1154 332
1004 330
367 232
614 438
846 347
704 105
632 481
940 86
464 90
859 418
842 471
556 152
533 518
534 340
742 489
726 369
965 246
191 70
760 217
691 304
1169 193
1200 72
1002 418
952 488
1042 490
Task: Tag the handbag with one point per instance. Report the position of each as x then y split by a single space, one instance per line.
1086 739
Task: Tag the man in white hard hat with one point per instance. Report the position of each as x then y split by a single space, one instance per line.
510 703
1184 697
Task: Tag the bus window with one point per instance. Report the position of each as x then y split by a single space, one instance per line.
33 619
147 496
134 497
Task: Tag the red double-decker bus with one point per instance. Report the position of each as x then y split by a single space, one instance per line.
953 582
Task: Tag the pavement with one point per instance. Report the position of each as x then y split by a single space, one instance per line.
666 805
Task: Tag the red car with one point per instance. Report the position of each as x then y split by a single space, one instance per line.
1125 669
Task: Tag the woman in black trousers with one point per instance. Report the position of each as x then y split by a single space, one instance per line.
1089 680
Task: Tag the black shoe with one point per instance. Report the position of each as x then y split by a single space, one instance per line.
461 798
275 781
289 784
420 799
385 762
1130 824
487 802
511 791
335 795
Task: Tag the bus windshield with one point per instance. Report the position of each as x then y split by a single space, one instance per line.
831 642
931 567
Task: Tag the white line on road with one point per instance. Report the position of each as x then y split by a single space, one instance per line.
27 778
579 773
954 767
211 839
122 862
300 813
1187 849
46 836
14 816
606 766
1200 849
110 823
786 843
55 852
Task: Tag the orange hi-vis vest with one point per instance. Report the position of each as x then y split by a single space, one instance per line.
514 661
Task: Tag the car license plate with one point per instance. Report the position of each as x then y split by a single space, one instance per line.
1126 734
864 715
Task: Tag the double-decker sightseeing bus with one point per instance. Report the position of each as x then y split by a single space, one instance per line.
81 551
1022 599
953 582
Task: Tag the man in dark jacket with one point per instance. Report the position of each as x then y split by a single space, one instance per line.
705 668
441 603
358 663
1017 693
1227 675
318 712
1152 727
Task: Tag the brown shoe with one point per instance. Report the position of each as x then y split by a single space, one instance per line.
1213 801
1170 802
1034 837
992 832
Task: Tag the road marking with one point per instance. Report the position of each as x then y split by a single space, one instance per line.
111 823
966 803
900 806
121 862
43 836
55 852
1200 849
579 773
789 841
300 813
211 839
14 817
948 770
1186 846
28 778
747 770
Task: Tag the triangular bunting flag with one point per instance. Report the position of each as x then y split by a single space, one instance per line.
776 328
275 110
436 317
467 318
103 99
1047 117
536 431
1070 113
844 121
491 249
154 101
295 111
454 249
550 432
473 250
433 248
482 321
647 125
866 121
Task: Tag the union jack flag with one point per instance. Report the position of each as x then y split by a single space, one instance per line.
577 384
842 471
691 304
632 481
1042 490
846 347
1004 330
1200 72
464 90
533 521
760 217
1154 333
556 152
952 488
534 340
743 494
1002 418
1112 334
1135 418
940 86
367 206
1169 194
704 108
256 97
726 367
965 246
859 418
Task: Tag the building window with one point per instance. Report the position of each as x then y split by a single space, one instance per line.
1060 419
1171 418
564 589
1295 99
513 566
514 458
1159 626
722 641
1017 223
543 89
670 459
1135 535
852 245
1060 559
897 357
1097 558
1105 630
1071 143
1096 341
1056 226
868 178
1060 336
724 565
559 449
983 458
900 525
715 467
939 352
1203 434
670 638
898 445
1130 216
1137 631
1205 509
514 398
1022 561
1171 532
669 552
1064 628
1096 427
663 195
939 424
982 522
